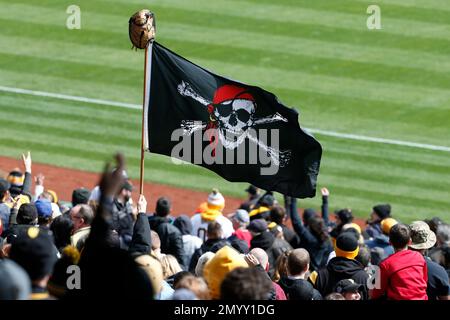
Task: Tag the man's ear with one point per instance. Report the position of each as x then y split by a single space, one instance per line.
306 268
267 267
409 242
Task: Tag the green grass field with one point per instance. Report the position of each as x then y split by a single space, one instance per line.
317 56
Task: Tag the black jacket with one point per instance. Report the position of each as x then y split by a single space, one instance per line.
122 221
212 245
299 289
290 236
274 247
141 243
171 238
318 250
340 268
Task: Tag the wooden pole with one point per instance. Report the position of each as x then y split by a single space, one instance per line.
146 98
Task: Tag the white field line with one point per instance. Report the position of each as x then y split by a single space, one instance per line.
138 107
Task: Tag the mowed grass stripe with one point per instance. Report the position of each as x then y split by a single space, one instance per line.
370 190
301 15
375 118
68 127
388 9
74 70
280 43
372 90
81 64
84 117
442 5
216 20
344 166
87 88
70 109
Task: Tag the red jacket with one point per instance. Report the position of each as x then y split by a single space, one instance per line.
403 277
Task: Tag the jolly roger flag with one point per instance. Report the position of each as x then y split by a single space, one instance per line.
241 132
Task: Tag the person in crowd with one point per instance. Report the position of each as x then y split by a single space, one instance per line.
314 238
21 183
381 241
262 208
216 269
379 212
80 196
213 212
241 220
170 266
343 266
82 217
253 196
440 253
170 236
202 261
33 251
5 209
295 284
422 239
62 229
335 296
156 244
349 289
196 285
281 268
45 211
264 239
257 257
342 217
402 275
278 216
214 242
15 283
190 242
245 284
27 215
123 218
102 248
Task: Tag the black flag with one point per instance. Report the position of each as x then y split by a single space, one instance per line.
241 132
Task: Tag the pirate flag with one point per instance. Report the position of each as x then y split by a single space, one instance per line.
241 132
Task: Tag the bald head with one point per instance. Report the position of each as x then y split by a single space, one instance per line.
261 255
298 262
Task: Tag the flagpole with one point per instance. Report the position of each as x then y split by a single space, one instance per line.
145 102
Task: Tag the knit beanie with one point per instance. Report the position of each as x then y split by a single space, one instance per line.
382 210
346 245
215 200
224 261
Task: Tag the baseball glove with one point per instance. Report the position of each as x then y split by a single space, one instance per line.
142 28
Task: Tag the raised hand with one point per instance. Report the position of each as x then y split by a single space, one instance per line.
27 162
112 182
325 192
39 179
142 204
251 260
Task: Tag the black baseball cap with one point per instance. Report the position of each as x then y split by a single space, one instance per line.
252 190
347 285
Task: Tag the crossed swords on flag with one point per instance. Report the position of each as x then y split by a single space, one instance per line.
279 158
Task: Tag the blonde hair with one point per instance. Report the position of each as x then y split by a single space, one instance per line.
169 265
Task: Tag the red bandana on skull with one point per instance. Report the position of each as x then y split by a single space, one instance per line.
223 94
